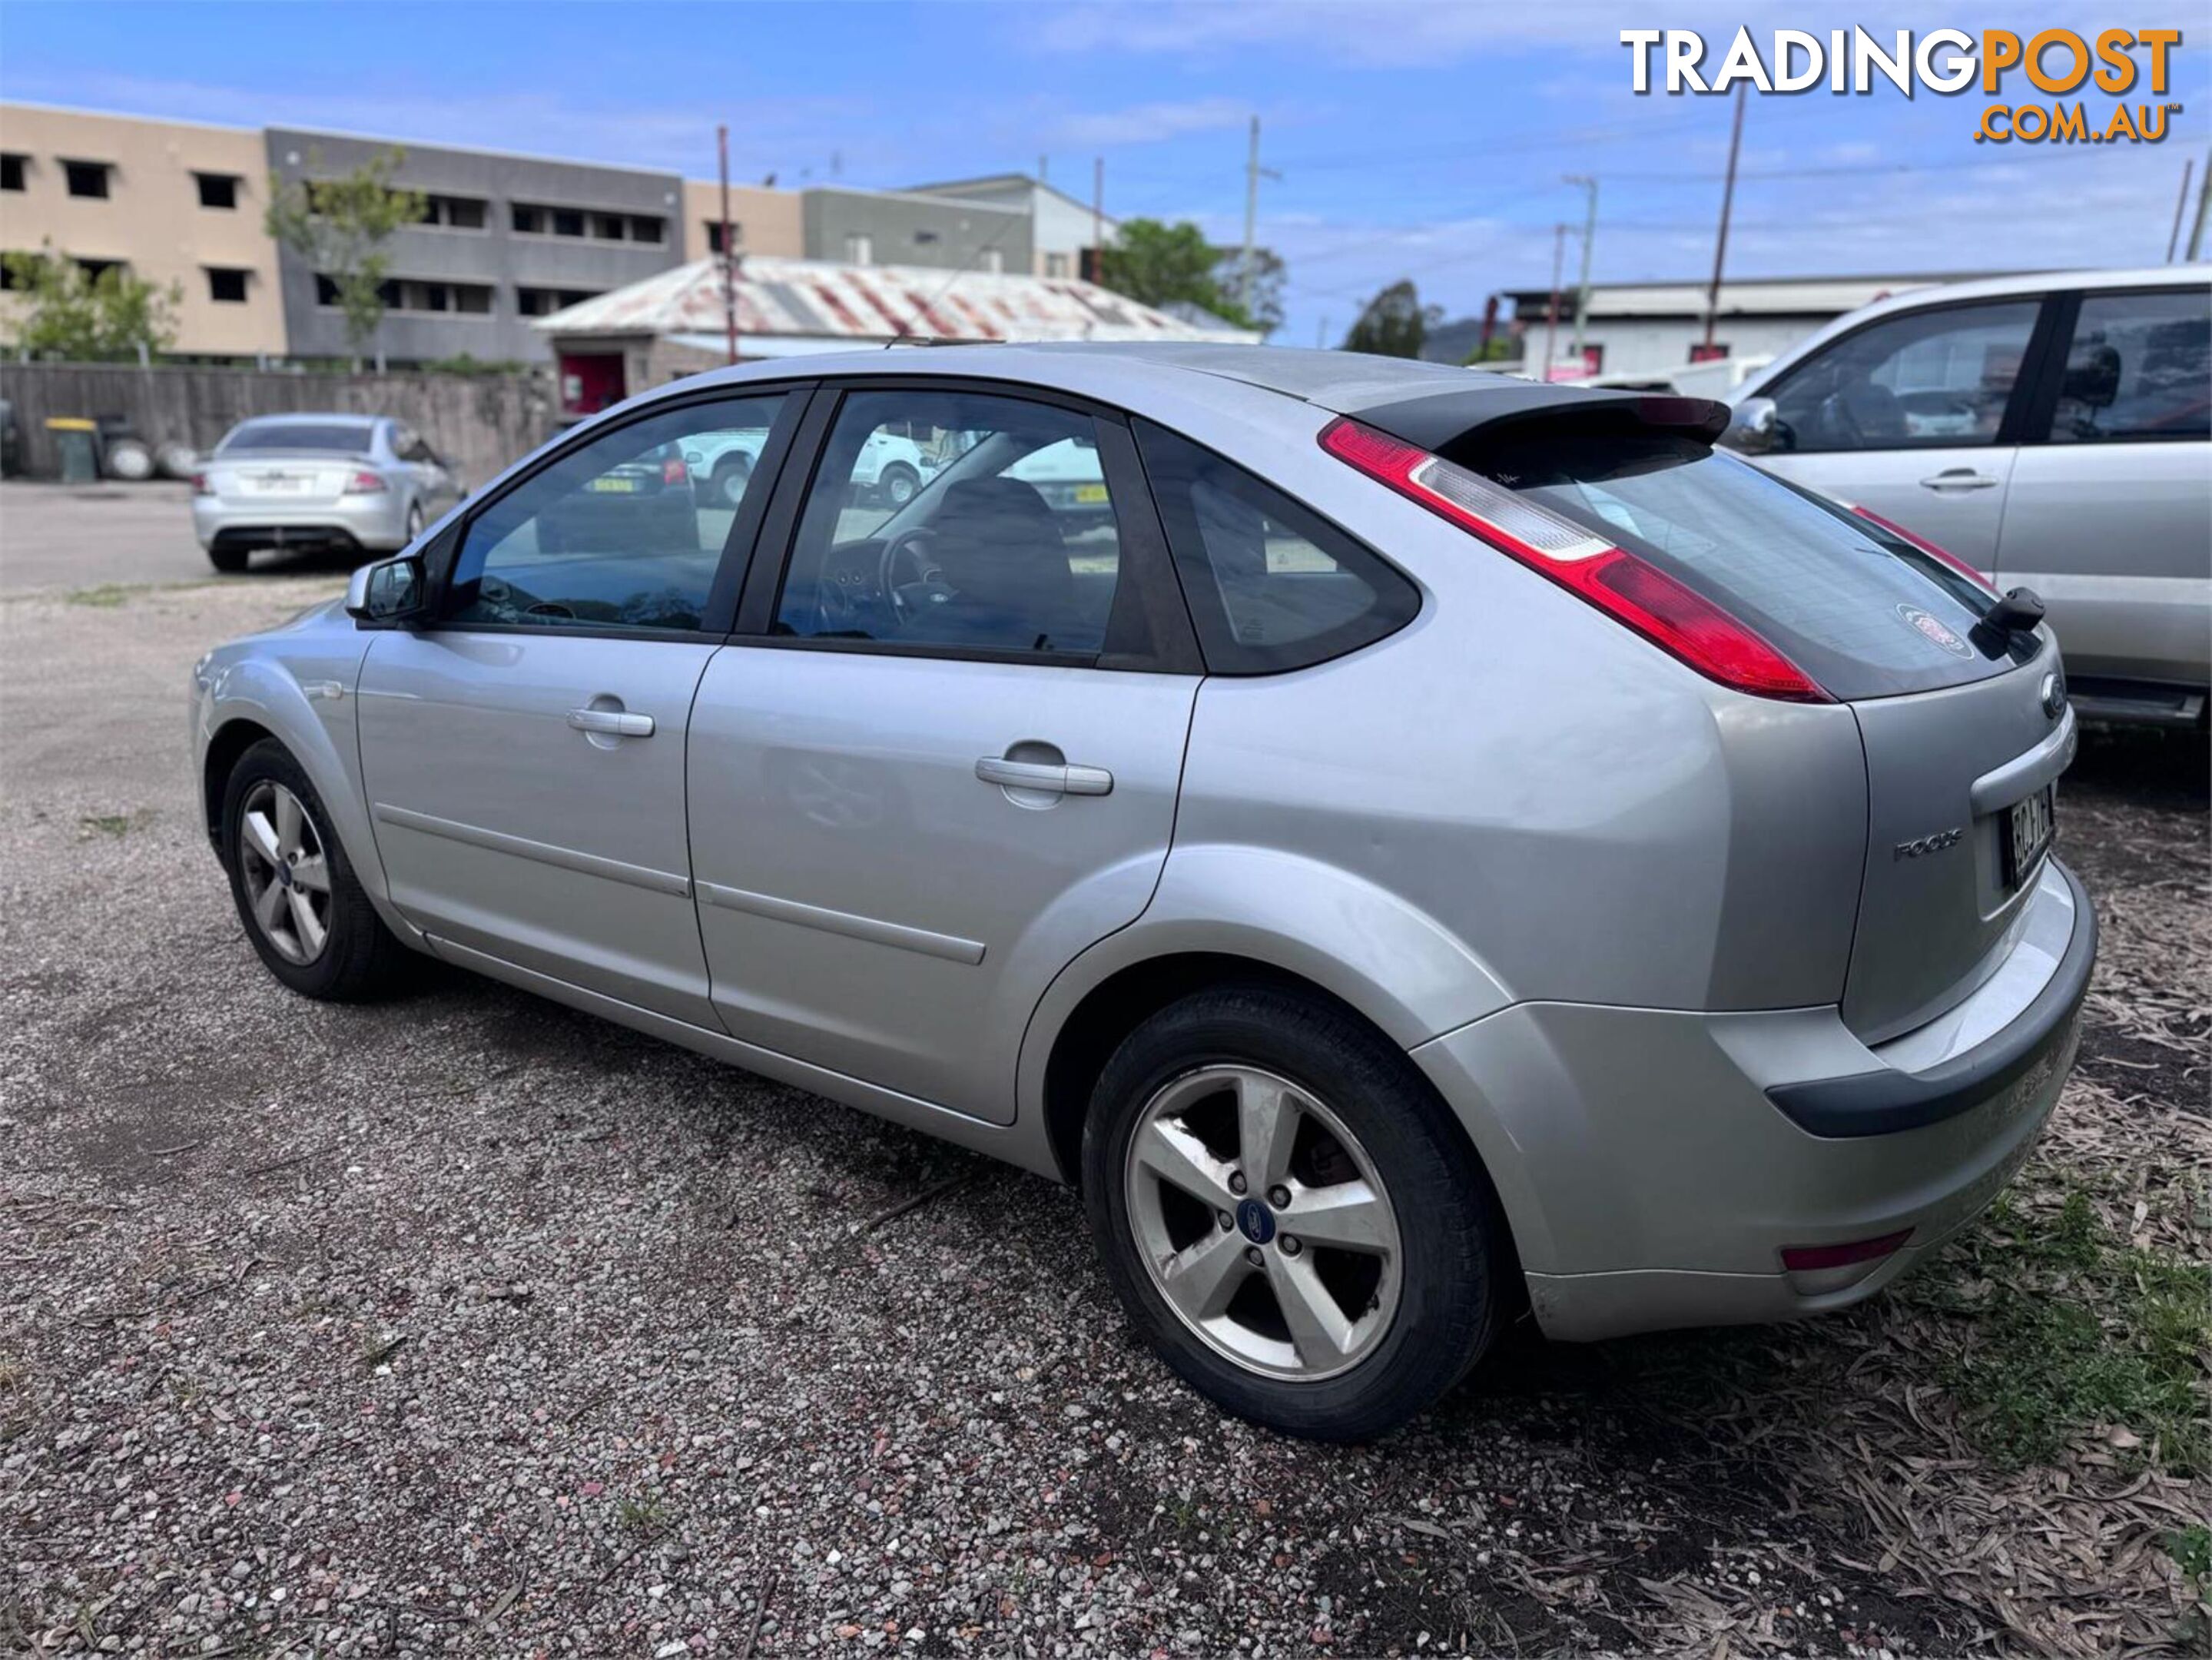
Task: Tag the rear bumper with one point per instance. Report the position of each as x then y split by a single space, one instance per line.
377 525
1653 1181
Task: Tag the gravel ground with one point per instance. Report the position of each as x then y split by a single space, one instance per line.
469 1324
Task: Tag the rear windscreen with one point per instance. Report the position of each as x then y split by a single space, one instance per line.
1864 613
344 437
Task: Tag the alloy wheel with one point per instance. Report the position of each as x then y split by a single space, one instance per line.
287 874
1262 1223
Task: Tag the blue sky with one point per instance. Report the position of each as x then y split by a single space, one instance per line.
1425 140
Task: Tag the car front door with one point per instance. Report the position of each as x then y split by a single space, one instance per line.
524 753
2111 511
940 757
1912 417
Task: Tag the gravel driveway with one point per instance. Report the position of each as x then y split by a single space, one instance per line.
469 1324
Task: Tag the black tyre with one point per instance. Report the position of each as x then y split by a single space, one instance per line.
1290 1216
732 474
229 559
899 483
302 906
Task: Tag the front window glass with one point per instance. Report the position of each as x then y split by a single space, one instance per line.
956 520
625 532
1918 381
2139 367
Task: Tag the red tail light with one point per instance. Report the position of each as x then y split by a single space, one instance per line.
200 485
1675 618
673 472
365 482
1800 1258
1929 549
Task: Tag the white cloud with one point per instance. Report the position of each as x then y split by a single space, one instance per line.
1149 123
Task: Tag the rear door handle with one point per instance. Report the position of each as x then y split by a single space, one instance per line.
1960 478
617 723
1043 775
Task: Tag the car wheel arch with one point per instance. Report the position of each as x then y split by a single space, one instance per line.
226 747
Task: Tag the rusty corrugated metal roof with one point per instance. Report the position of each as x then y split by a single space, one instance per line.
820 299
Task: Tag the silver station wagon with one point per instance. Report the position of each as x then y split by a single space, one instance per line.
1412 846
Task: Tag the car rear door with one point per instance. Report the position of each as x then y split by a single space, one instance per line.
523 753
2111 513
939 757
1913 416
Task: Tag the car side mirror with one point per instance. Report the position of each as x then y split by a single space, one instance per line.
1753 426
390 593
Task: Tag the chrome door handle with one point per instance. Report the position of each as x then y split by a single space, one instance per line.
1959 478
1041 775
615 722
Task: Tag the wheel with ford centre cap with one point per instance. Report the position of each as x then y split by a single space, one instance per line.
303 907
1289 1215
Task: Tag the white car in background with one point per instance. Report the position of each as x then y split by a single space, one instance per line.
2053 431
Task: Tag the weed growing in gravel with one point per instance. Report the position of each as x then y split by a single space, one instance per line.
2071 1329
106 824
647 1515
105 596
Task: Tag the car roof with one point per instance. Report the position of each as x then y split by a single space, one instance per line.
1342 382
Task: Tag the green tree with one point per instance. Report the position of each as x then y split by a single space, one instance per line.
1395 323
88 319
1157 263
339 227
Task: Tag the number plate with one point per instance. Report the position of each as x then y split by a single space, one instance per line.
1090 494
283 483
2028 827
612 486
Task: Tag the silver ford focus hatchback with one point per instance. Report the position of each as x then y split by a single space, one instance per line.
1411 845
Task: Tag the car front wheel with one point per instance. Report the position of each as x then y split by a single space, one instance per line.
303 907
1289 1216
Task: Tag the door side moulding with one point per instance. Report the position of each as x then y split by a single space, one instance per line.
545 853
951 947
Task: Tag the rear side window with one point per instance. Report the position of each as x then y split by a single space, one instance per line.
1271 584
1865 614
2138 368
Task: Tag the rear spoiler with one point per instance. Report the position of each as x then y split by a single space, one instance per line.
1442 422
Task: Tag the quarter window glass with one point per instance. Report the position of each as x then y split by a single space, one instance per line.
1271 586
1924 379
2140 367
625 532
948 520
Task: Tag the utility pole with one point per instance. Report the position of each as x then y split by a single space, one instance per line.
2203 197
1097 219
1253 173
1551 317
2180 206
729 266
1727 203
1589 235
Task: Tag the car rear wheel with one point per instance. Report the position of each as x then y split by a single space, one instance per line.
303 907
899 483
1288 1214
229 560
731 477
